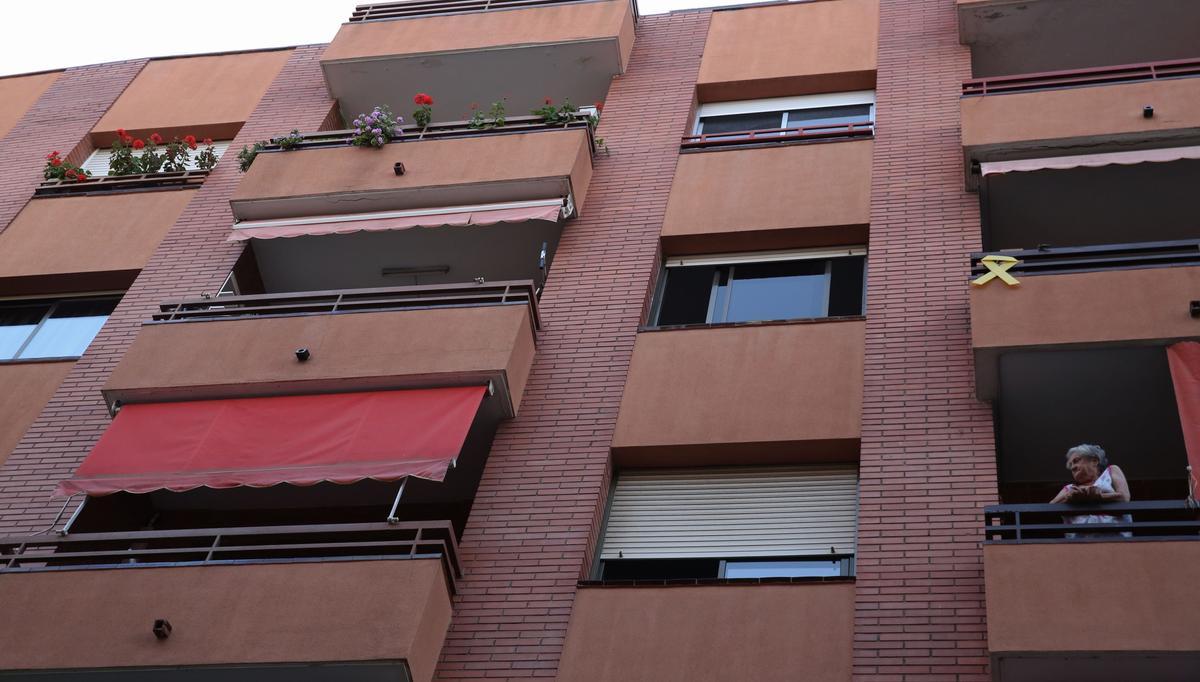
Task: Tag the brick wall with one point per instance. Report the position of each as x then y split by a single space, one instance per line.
532 525
60 119
927 465
193 258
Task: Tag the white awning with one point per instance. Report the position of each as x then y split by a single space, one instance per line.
1090 160
482 214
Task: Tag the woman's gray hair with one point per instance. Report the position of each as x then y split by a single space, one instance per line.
1087 450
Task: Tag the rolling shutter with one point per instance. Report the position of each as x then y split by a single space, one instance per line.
732 512
97 163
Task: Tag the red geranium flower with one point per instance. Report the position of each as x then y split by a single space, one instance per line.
548 101
599 106
156 138
121 133
190 140
51 156
207 141
56 162
138 144
422 99
80 176
70 173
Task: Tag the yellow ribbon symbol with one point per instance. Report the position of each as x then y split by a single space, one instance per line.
998 267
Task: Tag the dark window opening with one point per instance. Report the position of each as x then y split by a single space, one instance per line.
52 329
734 567
754 292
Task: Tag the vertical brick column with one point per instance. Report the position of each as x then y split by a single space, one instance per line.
927 465
193 258
59 120
532 523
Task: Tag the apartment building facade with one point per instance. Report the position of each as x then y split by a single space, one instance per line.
735 344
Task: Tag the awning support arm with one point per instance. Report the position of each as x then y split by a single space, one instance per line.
391 517
75 515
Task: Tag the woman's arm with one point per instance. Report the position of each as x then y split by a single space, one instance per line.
1120 491
1065 494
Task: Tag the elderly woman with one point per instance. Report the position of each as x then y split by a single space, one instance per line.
1095 481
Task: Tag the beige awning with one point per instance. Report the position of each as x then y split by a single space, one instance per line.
1091 160
485 214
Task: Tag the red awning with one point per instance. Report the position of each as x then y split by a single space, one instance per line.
1184 360
397 220
260 442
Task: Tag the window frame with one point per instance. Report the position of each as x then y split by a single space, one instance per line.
53 304
731 260
783 105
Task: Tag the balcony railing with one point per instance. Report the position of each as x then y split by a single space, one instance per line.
1074 78
1034 523
116 183
517 292
1050 259
779 135
251 545
444 130
384 11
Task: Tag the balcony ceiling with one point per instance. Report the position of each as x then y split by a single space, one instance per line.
1097 667
579 71
1010 37
506 251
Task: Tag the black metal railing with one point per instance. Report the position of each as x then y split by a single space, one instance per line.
445 130
515 292
1033 523
115 183
411 9
1055 259
1074 78
836 131
250 545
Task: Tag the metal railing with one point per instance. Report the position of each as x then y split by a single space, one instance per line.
1034 523
776 135
113 183
1051 259
516 292
249 545
1074 78
444 130
409 9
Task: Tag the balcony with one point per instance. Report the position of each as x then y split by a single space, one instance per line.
1025 36
1099 607
1085 297
361 602
649 632
774 189
450 165
373 339
1079 111
468 51
743 391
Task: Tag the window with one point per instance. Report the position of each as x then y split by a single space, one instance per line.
757 287
97 163
809 112
51 329
727 522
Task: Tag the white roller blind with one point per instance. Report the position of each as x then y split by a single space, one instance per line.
97 163
731 512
